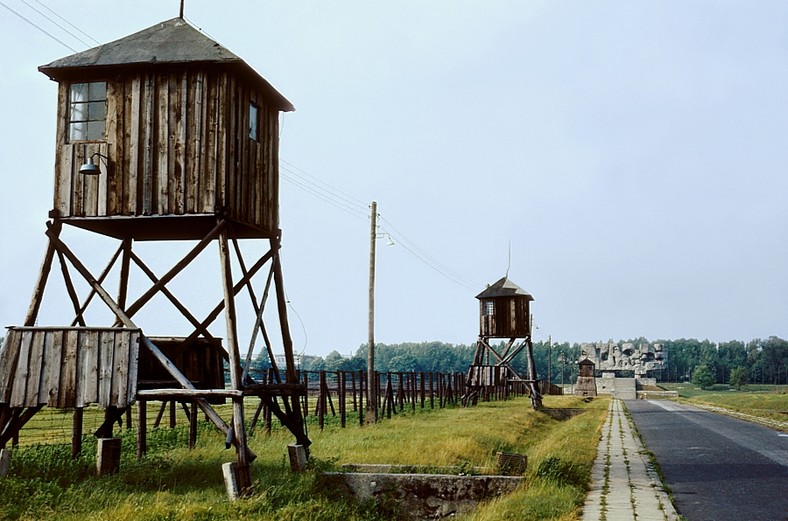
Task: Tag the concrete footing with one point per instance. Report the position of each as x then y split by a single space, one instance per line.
237 481
108 456
5 462
230 481
298 458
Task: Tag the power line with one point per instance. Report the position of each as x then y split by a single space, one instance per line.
60 26
322 194
353 206
433 263
61 42
339 193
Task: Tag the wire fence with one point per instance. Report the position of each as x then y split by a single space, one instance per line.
336 397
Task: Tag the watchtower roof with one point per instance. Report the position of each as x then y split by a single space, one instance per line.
504 288
169 43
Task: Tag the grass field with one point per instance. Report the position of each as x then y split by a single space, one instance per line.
764 401
175 483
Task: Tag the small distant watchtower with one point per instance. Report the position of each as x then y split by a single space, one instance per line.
162 135
504 312
586 383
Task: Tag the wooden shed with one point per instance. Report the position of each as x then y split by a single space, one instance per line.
177 125
504 310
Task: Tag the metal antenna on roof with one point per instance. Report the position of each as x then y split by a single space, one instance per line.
509 266
182 2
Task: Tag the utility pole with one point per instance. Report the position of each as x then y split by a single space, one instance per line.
372 405
549 355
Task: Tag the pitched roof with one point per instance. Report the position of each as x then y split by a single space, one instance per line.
504 288
173 42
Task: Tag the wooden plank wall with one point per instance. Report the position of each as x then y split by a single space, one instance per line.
178 144
69 367
511 319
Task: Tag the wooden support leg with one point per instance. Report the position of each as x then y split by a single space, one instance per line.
243 476
142 428
255 417
160 415
193 426
43 275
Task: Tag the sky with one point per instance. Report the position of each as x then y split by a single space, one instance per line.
624 162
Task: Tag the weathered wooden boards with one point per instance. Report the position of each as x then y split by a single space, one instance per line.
69 367
178 143
487 375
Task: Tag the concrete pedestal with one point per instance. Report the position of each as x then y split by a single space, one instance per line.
107 456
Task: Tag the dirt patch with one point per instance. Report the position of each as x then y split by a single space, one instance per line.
563 414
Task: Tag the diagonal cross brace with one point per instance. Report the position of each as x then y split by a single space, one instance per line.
127 322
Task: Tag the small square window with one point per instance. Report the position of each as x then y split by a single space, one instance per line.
87 111
253 121
489 308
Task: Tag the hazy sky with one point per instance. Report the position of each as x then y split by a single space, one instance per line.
633 154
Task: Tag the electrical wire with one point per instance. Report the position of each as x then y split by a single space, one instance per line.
57 24
337 192
430 261
353 206
61 42
321 194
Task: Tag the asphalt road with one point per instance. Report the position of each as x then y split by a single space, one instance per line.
718 468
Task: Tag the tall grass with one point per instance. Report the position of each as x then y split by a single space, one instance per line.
770 402
173 482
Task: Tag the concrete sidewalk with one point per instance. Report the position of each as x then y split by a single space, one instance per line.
623 484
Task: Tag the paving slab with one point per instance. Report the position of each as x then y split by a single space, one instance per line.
624 486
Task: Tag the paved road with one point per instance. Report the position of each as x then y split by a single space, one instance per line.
719 468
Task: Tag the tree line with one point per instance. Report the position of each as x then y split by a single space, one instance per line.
757 361
735 362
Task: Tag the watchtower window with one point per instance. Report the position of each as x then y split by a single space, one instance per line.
253 120
489 308
87 111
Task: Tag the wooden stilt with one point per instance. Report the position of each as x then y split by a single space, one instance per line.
76 433
142 428
43 275
242 463
193 426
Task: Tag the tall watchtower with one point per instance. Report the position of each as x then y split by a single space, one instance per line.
504 313
162 135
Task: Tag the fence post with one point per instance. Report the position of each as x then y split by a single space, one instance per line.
361 397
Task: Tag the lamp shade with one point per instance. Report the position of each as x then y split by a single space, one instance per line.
90 168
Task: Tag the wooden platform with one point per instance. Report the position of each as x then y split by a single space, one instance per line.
69 367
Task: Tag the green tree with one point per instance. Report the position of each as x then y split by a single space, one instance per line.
739 377
703 377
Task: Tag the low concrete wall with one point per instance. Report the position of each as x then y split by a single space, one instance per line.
421 496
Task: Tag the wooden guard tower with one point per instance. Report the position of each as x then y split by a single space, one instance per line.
504 313
586 383
163 135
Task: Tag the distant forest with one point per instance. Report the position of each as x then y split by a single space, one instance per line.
765 360
760 360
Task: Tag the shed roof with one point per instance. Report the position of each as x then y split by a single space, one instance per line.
504 288
173 42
